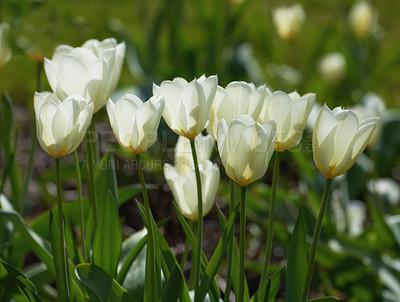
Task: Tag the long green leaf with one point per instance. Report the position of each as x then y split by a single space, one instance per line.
214 290
269 288
26 286
297 261
217 257
105 288
325 299
235 264
176 287
134 252
6 120
39 246
108 231
61 276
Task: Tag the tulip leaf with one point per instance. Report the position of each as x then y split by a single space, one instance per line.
217 257
40 247
130 258
6 120
324 299
61 277
269 288
72 246
297 261
108 231
214 290
175 287
26 286
235 260
126 263
103 287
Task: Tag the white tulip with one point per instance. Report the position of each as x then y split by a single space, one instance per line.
135 123
61 125
187 105
5 50
245 148
339 139
91 71
183 187
333 67
183 153
237 98
363 19
288 20
290 111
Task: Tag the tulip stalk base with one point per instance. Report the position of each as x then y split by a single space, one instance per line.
270 234
230 244
63 287
91 170
314 244
150 236
242 250
80 201
199 221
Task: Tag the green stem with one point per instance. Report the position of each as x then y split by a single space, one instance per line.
230 245
193 260
199 221
63 287
270 234
242 250
90 150
80 202
314 244
150 234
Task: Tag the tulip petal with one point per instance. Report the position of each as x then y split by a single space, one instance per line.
72 76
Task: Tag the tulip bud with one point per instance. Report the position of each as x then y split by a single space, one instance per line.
91 71
288 20
245 148
371 105
5 50
135 123
61 125
363 19
290 111
187 105
181 178
339 139
237 98
333 67
183 152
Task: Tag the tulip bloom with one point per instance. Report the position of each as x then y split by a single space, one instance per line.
333 67
339 139
183 186
183 152
290 111
181 178
135 123
91 71
237 98
288 20
5 50
61 125
187 105
245 148
363 19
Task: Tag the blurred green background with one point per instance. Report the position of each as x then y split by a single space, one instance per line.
237 40
234 39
